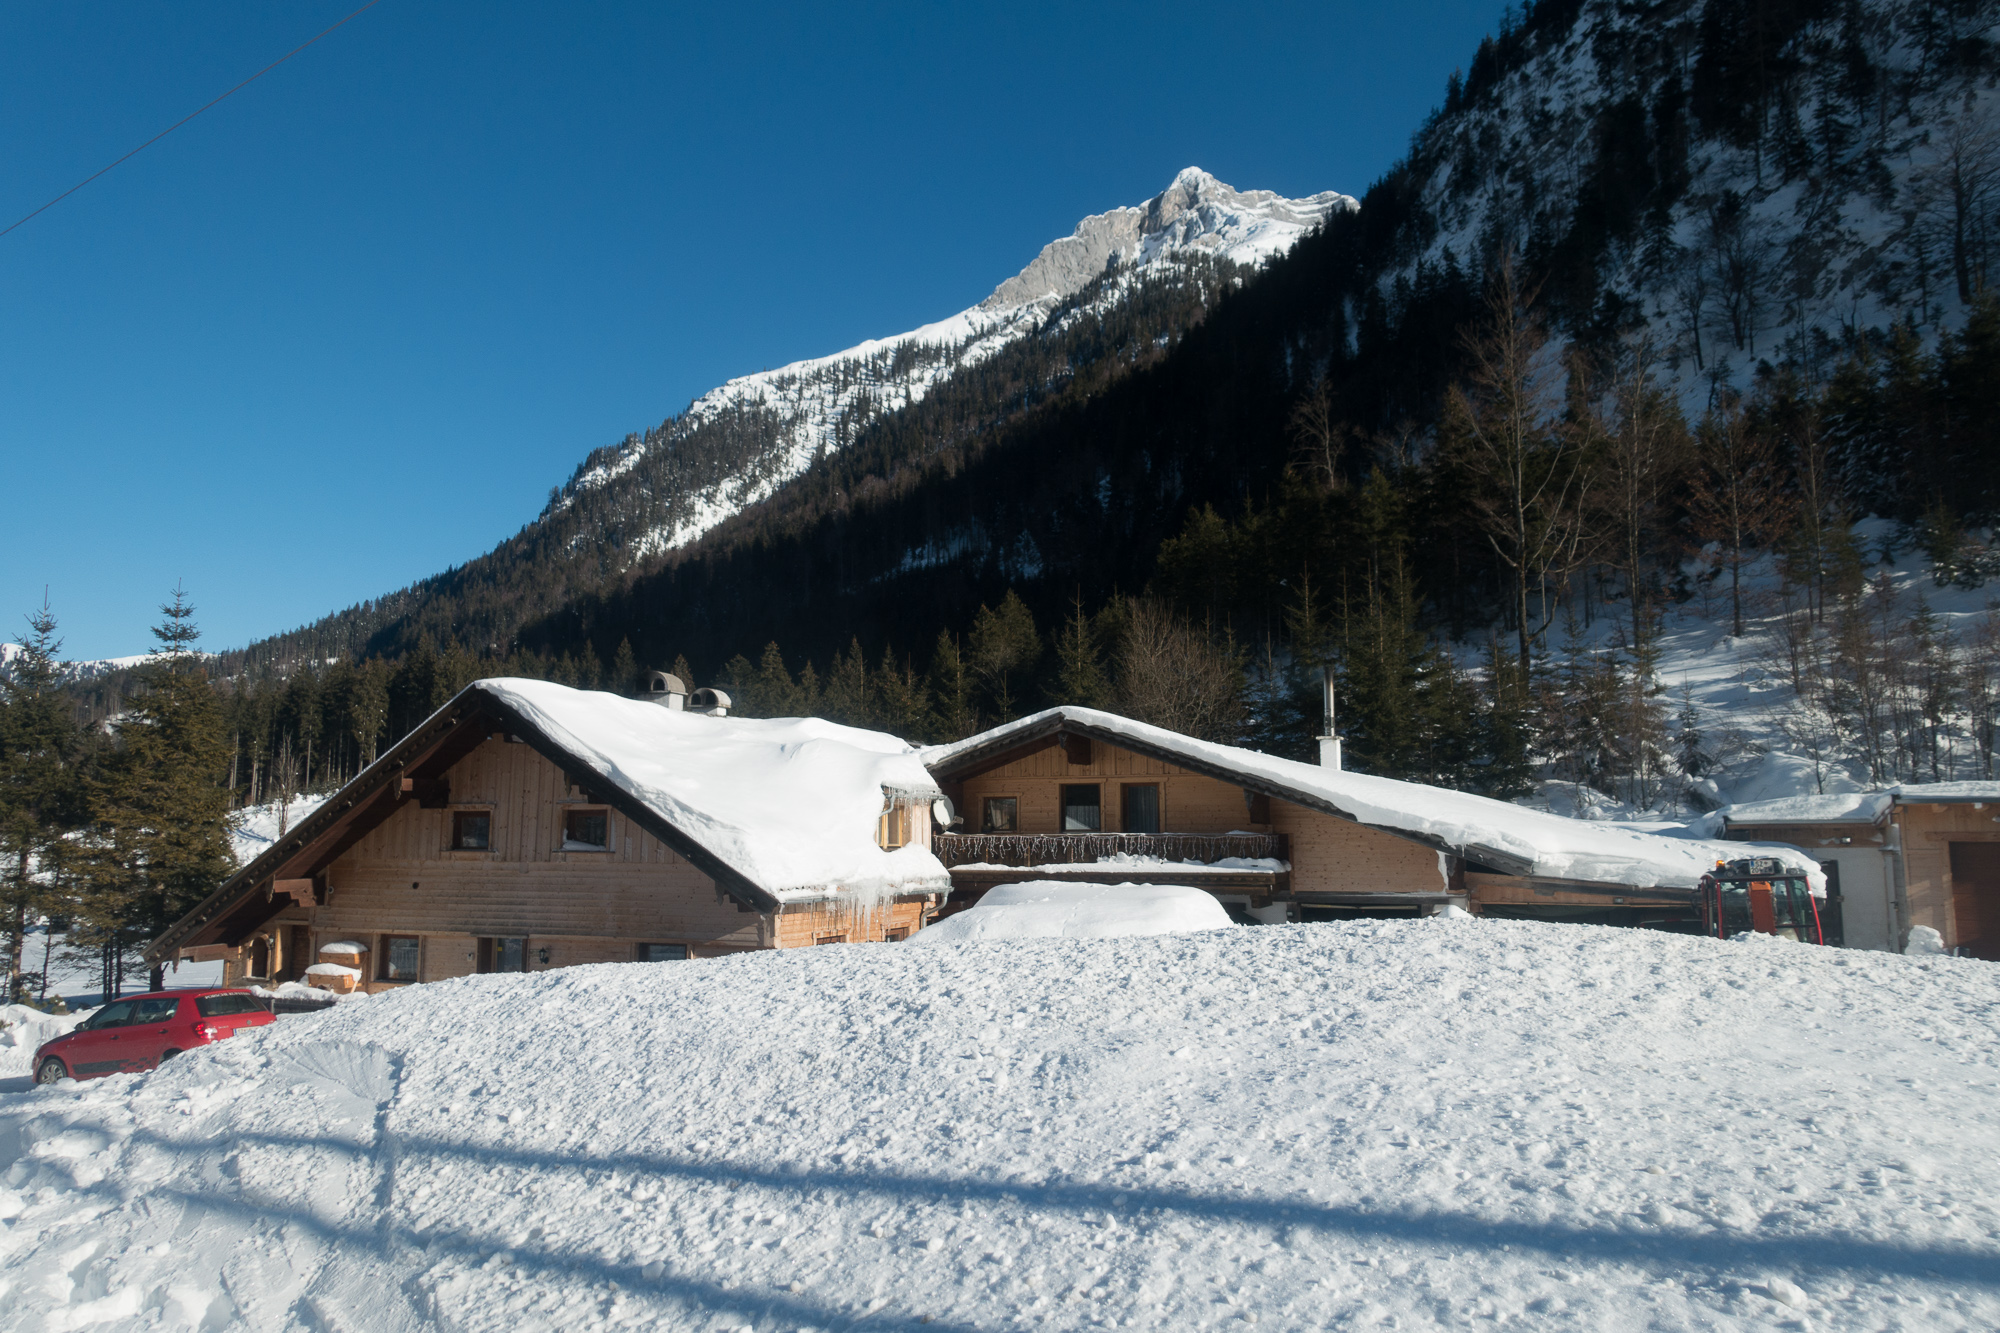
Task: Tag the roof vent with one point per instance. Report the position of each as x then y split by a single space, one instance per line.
712 702
664 687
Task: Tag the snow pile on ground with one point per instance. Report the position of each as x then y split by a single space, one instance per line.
791 803
1480 828
1045 909
1418 1124
22 1029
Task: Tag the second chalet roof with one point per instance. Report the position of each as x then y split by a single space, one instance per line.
1496 834
1854 807
790 803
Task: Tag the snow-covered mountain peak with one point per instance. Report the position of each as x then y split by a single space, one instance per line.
1195 212
738 443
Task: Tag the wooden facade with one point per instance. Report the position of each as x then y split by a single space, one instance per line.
1336 865
483 848
1951 869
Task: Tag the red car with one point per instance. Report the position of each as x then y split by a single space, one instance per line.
139 1031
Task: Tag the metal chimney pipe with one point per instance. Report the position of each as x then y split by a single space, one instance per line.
1329 744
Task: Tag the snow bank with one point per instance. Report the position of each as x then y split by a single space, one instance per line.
1552 845
1043 909
24 1029
1424 1124
792 803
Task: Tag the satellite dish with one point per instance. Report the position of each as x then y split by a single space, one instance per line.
944 812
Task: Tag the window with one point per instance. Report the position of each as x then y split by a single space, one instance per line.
260 957
399 958
830 939
586 830
471 830
503 954
663 953
112 1016
893 829
997 814
895 934
1142 808
1080 809
222 1006
155 1011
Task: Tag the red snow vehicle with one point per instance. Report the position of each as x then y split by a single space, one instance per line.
1763 894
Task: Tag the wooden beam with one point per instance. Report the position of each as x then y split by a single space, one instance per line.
299 891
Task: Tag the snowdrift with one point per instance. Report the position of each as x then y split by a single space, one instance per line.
1411 1124
1047 909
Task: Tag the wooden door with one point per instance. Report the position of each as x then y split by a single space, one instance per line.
1975 897
298 951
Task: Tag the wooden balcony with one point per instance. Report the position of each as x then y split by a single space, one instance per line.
978 861
1045 849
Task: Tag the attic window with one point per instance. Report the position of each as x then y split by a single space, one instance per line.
586 830
893 829
471 830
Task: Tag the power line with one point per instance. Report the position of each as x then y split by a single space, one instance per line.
188 117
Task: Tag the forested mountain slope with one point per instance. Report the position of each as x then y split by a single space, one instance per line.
1114 294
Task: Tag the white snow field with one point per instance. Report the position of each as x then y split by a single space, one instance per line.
1418 1124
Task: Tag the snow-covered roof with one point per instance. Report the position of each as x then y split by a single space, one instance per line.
1510 838
1855 807
789 803
1944 793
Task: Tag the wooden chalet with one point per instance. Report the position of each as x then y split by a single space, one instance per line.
527 825
1077 793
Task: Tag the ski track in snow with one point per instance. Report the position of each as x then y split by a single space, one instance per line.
1407 1124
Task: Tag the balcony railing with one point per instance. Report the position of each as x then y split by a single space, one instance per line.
1042 849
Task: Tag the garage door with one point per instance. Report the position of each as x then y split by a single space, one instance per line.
1975 897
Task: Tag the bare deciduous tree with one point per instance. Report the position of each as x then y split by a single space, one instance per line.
1531 473
1175 675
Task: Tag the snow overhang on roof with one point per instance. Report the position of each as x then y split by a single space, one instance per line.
1861 807
1509 839
1946 793
775 811
790 803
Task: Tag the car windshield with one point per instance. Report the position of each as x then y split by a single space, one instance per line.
221 1006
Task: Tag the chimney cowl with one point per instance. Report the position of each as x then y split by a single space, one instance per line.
713 702
664 687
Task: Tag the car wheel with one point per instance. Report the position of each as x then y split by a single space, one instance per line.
50 1070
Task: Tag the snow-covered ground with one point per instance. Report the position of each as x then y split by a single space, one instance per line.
1436 1123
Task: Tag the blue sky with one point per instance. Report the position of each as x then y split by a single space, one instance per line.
349 327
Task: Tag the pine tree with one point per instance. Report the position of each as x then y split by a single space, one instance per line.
1080 675
953 716
41 794
624 675
682 671
773 693
847 697
902 704
1003 646
160 805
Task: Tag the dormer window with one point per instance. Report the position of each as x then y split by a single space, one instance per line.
586 830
